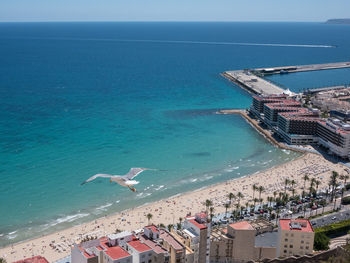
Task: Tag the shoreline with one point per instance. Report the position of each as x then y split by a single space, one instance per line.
151 203
168 210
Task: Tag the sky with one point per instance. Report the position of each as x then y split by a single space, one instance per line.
173 10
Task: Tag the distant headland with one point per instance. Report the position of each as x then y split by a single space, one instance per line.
345 21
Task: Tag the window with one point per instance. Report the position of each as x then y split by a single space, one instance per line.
285 246
302 241
150 261
301 247
284 251
292 235
149 254
291 246
286 239
307 247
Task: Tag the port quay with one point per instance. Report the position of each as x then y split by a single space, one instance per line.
252 79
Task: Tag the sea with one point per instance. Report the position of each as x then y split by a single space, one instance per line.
78 99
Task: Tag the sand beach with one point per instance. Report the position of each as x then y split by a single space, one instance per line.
57 245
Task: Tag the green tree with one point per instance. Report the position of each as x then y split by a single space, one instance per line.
240 196
226 205
170 227
149 217
333 182
230 197
208 203
321 241
254 187
2 260
286 182
260 190
306 178
211 209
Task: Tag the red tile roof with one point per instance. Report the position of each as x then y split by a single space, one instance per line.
152 228
139 246
243 225
36 259
305 225
116 253
194 222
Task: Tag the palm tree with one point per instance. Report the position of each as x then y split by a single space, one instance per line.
2 260
170 227
237 208
286 182
180 220
161 225
226 205
239 195
269 200
208 203
311 190
149 217
274 194
312 182
230 197
277 213
306 178
293 183
343 177
261 189
211 210
246 206
334 183
254 188
303 194
293 192
317 185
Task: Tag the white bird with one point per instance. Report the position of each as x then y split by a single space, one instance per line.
123 180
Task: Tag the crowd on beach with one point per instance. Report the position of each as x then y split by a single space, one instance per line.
57 245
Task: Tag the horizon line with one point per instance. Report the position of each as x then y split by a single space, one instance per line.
162 21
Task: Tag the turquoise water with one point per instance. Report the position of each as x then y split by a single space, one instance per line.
83 98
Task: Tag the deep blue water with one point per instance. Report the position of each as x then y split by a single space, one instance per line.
302 81
81 98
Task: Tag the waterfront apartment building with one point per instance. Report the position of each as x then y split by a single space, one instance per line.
257 107
197 232
298 127
271 110
242 242
335 136
295 237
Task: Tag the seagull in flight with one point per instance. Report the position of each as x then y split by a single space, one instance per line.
123 180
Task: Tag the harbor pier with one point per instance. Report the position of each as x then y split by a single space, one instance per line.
252 79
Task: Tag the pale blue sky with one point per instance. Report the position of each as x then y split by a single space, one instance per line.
173 10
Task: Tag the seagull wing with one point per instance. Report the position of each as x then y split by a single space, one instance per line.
135 172
96 176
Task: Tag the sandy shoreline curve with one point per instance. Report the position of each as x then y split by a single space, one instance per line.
168 211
